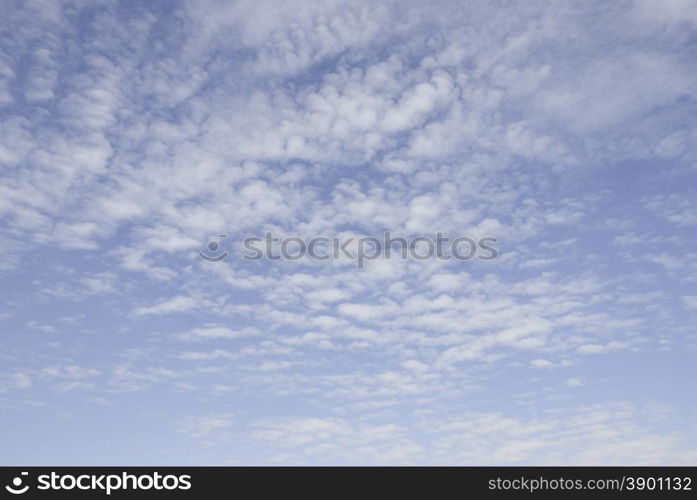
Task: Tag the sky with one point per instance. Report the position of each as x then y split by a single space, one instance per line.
132 134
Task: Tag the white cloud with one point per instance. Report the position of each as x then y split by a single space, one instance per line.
178 304
204 426
212 332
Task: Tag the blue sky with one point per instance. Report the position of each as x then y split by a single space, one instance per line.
133 133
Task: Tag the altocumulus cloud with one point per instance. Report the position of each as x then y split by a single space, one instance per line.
132 133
